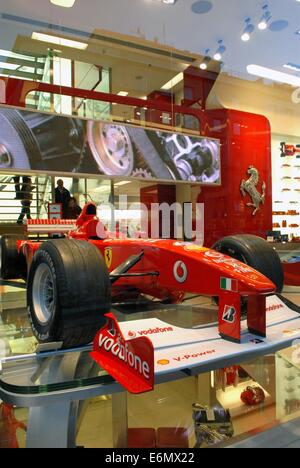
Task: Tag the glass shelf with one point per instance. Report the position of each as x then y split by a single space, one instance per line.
25 372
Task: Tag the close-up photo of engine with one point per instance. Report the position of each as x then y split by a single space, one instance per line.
38 141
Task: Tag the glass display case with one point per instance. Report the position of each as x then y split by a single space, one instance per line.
64 399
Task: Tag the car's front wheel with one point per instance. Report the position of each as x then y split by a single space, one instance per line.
255 252
68 292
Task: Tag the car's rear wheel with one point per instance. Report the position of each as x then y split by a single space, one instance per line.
68 292
255 252
13 263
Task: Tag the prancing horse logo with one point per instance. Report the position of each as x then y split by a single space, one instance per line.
108 256
249 186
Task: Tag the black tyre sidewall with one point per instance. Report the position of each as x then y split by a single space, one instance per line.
44 333
13 263
255 252
83 292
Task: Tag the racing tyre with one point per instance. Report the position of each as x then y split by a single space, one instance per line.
13 264
68 292
255 252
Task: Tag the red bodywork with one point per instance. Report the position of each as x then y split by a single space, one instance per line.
181 268
291 273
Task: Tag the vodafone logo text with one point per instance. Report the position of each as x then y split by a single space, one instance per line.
274 307
150 331
122 352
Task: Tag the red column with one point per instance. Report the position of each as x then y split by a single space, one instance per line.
159 194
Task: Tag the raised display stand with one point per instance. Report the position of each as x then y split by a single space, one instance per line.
54 385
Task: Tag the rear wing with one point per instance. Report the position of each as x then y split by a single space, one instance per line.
50 226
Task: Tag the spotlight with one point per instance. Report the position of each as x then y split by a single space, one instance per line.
219 53
205 61
63 3
249 28
263 24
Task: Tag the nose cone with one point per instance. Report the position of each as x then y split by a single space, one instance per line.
256 283
250 281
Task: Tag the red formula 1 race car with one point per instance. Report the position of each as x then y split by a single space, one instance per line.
72 282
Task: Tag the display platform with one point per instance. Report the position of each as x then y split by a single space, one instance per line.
182 341
53 384
202 349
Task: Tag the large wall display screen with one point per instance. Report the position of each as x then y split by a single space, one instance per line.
47 142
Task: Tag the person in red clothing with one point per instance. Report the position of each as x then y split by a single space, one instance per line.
9 426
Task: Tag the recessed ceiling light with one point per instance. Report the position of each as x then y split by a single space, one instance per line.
217 56
59 41
249 28
169 2
265 19
206 60
123 93
173 82
63 3
124 182
219 53
273 75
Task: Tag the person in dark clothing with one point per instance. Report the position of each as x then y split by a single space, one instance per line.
17 180
73 210
62 195
26 199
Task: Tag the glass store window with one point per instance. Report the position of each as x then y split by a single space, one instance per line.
163 66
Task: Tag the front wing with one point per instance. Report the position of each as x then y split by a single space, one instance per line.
195 351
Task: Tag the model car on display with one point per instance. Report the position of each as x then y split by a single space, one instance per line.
72 282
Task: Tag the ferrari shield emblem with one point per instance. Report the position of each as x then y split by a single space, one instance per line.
108 256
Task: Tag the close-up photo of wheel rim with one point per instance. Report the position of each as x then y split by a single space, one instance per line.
111 148
44 294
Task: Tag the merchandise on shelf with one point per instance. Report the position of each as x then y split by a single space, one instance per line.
253 396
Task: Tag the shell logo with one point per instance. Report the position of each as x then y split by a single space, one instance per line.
195 248
163 362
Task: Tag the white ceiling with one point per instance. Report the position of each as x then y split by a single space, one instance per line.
177 26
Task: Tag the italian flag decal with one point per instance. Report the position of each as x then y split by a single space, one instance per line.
228 284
